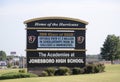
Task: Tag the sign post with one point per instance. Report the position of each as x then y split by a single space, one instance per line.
55 41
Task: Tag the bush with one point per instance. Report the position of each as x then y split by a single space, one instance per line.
77 70
94 68
90 68
101 67
50 71
31 75
63 71
22 71
44 73
13 75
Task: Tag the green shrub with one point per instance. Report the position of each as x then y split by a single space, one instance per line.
63 71
50 71
22 71
31 75
77 70
94 68
90 68
101 67
13 75
44 73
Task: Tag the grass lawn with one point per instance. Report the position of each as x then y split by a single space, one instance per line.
112 74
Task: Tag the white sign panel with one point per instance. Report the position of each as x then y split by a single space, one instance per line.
56 41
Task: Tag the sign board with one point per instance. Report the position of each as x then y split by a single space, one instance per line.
55 41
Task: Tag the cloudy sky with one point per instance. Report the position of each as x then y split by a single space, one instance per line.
103 17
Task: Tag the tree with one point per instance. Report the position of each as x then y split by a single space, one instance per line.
111 48
2 56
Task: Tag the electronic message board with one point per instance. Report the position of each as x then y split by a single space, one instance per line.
55 41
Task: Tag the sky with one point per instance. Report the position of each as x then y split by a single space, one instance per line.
103 17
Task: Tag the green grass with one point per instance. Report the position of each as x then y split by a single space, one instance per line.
112 74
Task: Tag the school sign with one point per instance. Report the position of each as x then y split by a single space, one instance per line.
55 41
